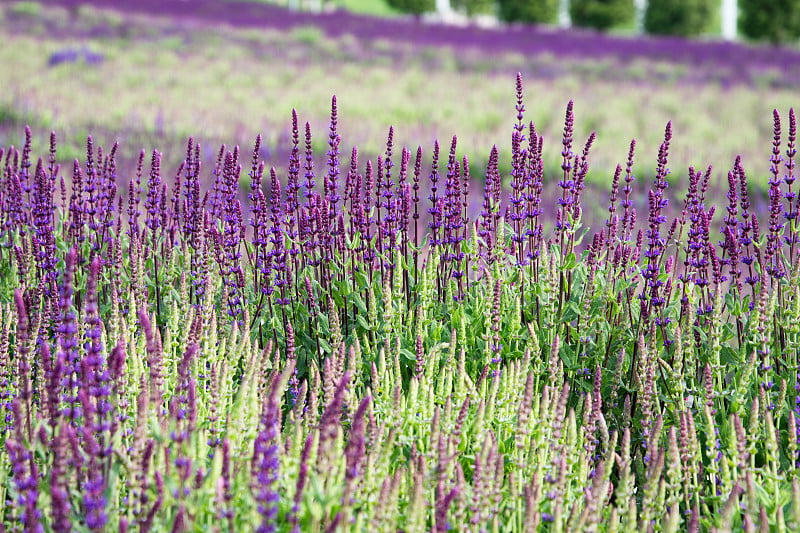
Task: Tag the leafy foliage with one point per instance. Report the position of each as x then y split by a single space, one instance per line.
687 18
532 11
600 14
474 7
414 7
777 21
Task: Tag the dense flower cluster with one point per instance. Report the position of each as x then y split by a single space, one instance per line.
295 356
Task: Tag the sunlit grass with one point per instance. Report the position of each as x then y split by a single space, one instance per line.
367 7
378 8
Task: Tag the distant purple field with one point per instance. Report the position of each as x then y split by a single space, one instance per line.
732 62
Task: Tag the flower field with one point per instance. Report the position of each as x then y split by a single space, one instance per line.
150 74
299 351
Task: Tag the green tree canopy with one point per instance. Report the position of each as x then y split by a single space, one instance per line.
474 7
777 21
679 17
601 14
532 11
414 7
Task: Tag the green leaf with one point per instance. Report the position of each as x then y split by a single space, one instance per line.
359 301
569 262
566 359
361 279
728 356
337 298
407 354
355 242
421 245
325 346
579 239
571 312
363 322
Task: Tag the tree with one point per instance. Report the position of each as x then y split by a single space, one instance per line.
678 17
474 7
531 11
414 7
601 14
777 21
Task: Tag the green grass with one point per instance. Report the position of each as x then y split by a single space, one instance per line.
367 7
378 8
26 8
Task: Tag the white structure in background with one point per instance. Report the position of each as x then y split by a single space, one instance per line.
639 6
563 14
730 10
445 13
443 8
315 6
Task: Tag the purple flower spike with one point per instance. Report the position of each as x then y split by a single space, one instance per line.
434 211
152 203
23 472
566 182
792 198
309 167
331 190
651 294
356 445
265 466
773 257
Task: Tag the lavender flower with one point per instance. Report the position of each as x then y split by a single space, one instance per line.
356 445
151 205
309 169
266 464
566 183
24 474
333 161
789 178
651 295
435 210
772 254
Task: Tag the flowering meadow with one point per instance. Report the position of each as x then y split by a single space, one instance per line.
729 61
328 349
152 73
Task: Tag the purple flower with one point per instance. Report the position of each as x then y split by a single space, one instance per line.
772 254
60 505
650 297
789 178
435 210
387 199
356 445
566 184
293 185
333 161
94 500
266 464
302 477
151 205
309 167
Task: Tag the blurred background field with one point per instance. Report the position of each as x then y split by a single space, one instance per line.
150 74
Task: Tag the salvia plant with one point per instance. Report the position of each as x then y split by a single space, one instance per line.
330 349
